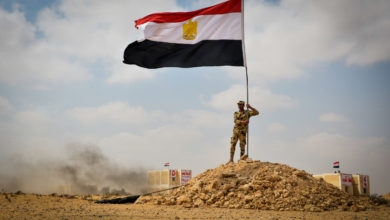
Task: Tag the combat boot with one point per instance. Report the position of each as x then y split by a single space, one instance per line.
244 157
242 152
231 157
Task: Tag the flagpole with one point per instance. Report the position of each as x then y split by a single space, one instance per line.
246 69
247 101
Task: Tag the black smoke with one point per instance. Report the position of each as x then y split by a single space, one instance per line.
84 169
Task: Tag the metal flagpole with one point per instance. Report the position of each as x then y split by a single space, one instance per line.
246 70
247 101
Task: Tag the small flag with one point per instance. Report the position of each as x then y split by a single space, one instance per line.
207 37
336 164
166 164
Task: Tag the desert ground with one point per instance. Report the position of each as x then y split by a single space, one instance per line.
35 206
244 190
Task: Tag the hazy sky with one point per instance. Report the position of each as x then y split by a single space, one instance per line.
319 74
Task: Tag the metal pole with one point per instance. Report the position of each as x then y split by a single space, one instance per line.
247 101
246 69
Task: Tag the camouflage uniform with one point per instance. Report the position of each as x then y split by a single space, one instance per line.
240 130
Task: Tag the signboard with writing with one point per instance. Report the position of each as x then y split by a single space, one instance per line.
186 175
346 179
365 181
173 175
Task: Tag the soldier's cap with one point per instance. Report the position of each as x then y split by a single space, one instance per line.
241 103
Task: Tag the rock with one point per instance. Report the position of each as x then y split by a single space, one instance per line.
228 174
212 186
245 188
312 208
248 198
249 160
361 208
218 203
354 208
171 202
183 199
187 205
203 197
300 173
227 187
274 178
220 194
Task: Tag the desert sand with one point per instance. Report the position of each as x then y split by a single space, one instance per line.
244 190
34 206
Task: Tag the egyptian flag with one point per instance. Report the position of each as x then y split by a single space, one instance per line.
336 164
207 37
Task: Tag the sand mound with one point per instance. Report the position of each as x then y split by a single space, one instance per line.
259 185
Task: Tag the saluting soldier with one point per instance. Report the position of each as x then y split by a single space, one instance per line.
241 121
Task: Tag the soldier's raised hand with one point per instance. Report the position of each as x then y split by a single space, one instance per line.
245 122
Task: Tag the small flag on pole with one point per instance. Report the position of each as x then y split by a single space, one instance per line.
336 164
166 164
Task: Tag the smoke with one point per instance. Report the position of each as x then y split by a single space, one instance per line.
83 170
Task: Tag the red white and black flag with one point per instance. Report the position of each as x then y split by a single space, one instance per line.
336 164
207 37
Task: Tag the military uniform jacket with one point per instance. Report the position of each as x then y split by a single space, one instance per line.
242 116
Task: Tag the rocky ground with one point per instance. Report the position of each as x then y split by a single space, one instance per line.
31 206
260 185
244 190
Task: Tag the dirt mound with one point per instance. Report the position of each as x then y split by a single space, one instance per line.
260 185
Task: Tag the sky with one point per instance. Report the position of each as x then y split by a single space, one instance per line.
319 73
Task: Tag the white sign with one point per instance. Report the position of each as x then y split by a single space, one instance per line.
186 175
346 179
365 182
173 175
